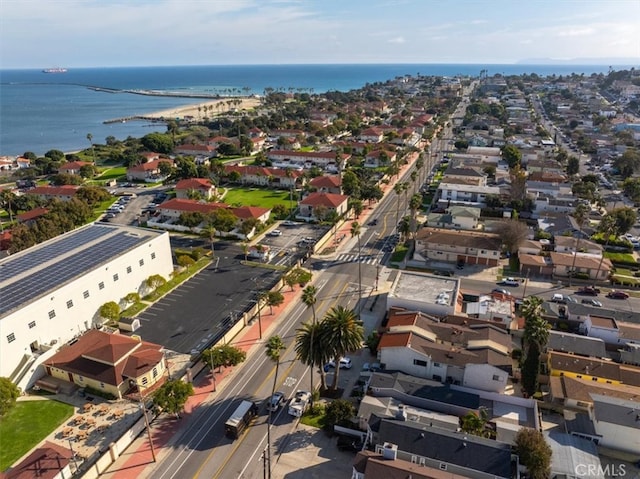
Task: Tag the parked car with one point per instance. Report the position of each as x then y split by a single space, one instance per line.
373 222
615 294
275 233
509 282
592 302
345 363
288 223
559 298
588 291
501 291
275 402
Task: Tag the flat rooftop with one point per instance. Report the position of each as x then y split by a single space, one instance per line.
35 272
425 287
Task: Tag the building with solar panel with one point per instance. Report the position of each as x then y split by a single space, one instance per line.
52 292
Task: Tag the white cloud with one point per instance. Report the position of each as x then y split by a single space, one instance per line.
396 40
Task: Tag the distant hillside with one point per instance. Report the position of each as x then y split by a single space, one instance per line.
581 61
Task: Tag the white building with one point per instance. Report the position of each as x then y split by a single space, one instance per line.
52 292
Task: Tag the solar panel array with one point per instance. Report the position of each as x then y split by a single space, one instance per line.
15 266
47 279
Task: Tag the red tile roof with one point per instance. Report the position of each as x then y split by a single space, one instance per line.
73 165
65 190
394 340
190 205
246 212
331 181
150 165
105 357
330 200
263 171
193 184
32 214
45 462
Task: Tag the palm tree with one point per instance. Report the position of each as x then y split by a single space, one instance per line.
341 331
580 215
309 298
209 232
414 177
7 199
356 230
93 151
609 227
398 189
310 350
274 348
536 335
260 297
414 205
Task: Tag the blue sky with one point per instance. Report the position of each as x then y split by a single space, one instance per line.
94 33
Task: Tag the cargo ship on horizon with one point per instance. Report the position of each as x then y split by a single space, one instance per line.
54 70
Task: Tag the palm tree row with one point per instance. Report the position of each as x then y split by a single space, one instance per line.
317 343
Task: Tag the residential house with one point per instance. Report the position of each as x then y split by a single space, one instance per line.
32 215
573 457
617 423
462 193
285 178
48 461
189 149
73 167
576 344
378 158
201 187
456 217
327 160
371 465
611 330
327 184
462 247
567 244
547 165
149 171
593 369
598 269
534 265
372 135
317 206
62 193
173 208
454 452
576 393
477 357
112 363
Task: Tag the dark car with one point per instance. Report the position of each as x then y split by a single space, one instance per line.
588 291
373 222
618 295
592 302
347 443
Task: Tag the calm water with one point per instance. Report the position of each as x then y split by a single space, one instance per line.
39 111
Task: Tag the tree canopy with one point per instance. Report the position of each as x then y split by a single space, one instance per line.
534 452
172 396
9 393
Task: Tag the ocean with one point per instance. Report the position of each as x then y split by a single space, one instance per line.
43 111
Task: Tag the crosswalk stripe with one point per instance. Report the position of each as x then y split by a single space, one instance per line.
353 258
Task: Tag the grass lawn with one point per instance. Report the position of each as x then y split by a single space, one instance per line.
257 197
620 257
313 420
112 173
28 423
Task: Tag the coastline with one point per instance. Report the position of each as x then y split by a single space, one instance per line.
196 111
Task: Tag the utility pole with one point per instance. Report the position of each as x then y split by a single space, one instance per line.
146 420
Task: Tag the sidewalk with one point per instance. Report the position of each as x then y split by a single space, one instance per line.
137 461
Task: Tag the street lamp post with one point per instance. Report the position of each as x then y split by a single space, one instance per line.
146 420
73 455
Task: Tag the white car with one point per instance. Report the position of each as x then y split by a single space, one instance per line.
345 363
275 233
275 401
509 282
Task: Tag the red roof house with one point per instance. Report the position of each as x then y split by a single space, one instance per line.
202 186
323 204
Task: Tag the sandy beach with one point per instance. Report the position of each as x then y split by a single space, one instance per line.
208 108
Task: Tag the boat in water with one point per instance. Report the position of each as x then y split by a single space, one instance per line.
54 70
